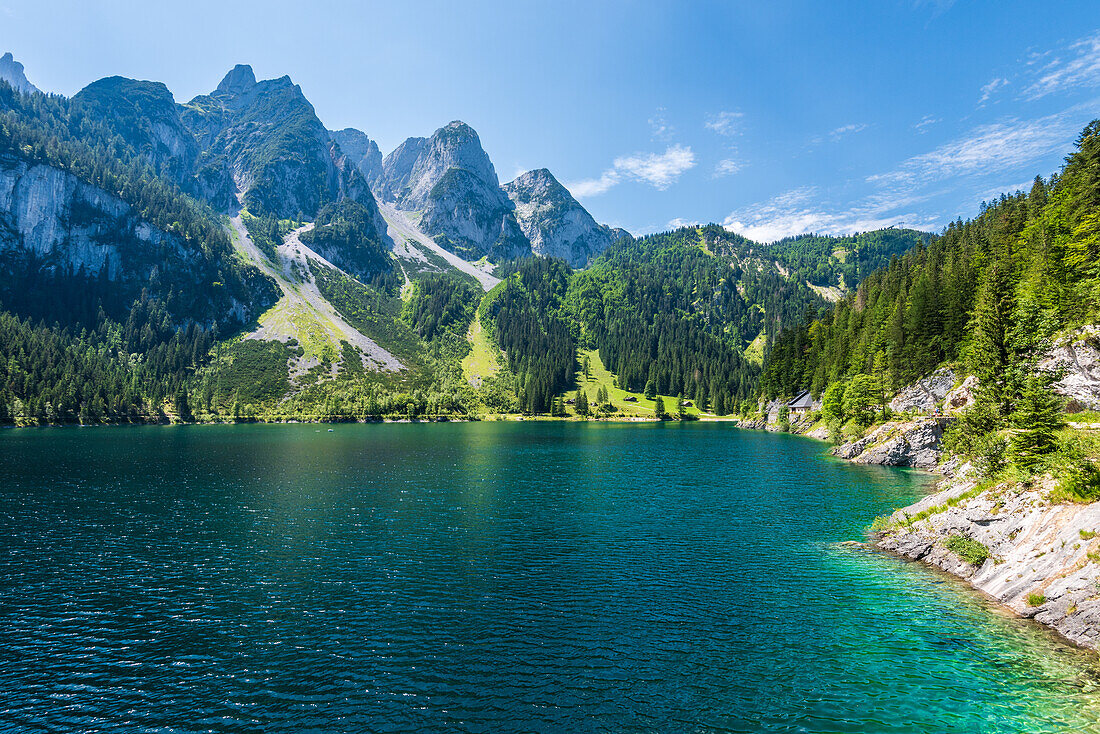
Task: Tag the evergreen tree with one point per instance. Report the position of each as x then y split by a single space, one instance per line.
1037 420
659 407
650 390
582 403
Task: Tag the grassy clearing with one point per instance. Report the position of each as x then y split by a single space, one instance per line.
599 377
754 352
484 358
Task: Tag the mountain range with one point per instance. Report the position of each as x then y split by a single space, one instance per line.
308 259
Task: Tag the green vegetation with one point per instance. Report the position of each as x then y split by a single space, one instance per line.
847 260
1036 600
989 296
971 551
346 233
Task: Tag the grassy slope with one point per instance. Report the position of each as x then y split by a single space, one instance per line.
484 358
599 376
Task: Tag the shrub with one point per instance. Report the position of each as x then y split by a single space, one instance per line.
1086 534
1035 600
968 549
1080 482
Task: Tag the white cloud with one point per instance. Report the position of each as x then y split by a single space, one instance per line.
1077 65
724 123
660 127
926 122
796 212
677 223
659 170
593 186
988 90
726 167
994 148
838 133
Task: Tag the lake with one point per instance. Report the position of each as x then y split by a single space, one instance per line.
488 577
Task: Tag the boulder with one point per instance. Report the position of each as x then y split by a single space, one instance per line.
1077 360
926 394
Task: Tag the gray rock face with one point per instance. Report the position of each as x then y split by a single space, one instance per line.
240 80
450 180
11 71
897 443
1037 552
396 169
926 394
268 136
147 117
362 151
1078 359
961 397
554 222
52 222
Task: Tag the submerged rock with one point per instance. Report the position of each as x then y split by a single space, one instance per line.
1039 556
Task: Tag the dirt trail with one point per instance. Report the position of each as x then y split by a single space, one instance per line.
303 313
400 228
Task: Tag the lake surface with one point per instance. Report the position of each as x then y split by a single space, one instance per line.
488 577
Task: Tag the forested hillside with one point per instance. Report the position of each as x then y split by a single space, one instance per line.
991 295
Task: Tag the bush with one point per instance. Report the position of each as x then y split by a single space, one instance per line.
968 549
1080 482
990 451
1035 600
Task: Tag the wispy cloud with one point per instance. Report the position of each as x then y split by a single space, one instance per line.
727 167
724 123
677 223
838 133
926 122
799 212
988 90
995 148
659 126
1077 65
938 6
659 170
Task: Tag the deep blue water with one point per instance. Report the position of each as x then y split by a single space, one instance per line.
488 578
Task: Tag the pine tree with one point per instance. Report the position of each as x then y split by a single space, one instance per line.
582 403
659 407
681 408
1037 420
650 390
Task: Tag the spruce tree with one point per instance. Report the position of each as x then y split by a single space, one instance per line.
582 403
1037 419
659 407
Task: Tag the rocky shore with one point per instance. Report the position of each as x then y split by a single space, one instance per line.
1021 545
1039 558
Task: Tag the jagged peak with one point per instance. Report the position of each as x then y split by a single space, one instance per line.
239 80
11 71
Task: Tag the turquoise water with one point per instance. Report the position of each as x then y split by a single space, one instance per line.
486 578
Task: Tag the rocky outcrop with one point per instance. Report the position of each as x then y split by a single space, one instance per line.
146 116
924 395
449 179
57 231
913 443
267 135
362 151
1077 359
11 71
554 222
962 397
1037 557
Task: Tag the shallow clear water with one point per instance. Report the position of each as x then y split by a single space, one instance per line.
488 577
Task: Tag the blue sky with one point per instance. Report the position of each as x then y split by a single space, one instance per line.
773 118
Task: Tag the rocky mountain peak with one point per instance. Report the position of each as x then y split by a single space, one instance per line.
361 150
554 222
11 71
239 80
